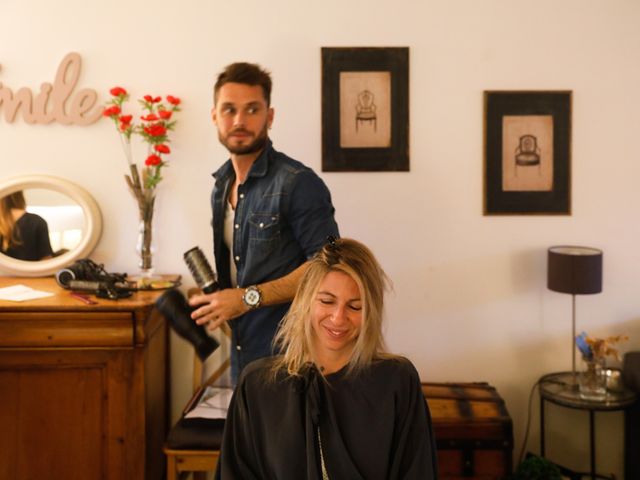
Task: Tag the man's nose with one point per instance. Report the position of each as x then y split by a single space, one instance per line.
238 119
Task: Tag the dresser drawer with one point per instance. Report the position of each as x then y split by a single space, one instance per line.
66 329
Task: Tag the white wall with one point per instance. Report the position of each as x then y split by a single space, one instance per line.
470 301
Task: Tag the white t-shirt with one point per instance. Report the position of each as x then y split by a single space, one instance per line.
229 217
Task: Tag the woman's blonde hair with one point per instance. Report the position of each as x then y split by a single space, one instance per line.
295 336
9 235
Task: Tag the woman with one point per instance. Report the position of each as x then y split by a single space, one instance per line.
23 235
333 405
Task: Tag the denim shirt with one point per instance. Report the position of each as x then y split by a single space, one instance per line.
283 216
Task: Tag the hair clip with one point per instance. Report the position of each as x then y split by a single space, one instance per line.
332 250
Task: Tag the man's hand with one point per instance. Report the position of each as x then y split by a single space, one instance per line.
218 307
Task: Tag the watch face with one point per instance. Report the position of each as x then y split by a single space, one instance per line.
252 296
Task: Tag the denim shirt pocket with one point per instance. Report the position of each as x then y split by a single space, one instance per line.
264 226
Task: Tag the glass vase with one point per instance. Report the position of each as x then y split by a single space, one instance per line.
592 383
145 247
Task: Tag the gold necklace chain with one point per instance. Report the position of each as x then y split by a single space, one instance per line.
325 475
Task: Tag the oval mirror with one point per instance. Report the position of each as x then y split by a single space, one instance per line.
71 214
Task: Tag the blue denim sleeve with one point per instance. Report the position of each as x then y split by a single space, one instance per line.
311 213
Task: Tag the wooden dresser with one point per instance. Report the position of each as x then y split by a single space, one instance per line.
83 388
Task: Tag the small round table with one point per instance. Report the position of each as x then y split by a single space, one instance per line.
561 389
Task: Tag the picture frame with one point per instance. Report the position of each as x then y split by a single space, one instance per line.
527 152
365 109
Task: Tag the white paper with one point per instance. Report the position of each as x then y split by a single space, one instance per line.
214 403
20 293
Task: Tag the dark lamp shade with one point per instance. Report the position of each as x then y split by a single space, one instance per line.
575 270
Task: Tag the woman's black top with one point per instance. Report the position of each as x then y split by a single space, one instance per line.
371 425
34 235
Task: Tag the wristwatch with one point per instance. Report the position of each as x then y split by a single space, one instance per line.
252 297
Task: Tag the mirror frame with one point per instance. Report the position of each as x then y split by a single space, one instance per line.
90 209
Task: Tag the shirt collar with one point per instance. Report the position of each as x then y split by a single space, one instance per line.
258 169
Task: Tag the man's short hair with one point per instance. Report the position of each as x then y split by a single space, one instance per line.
245 73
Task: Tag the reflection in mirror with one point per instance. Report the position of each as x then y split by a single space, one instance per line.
61 223
36 224
24 235
64 218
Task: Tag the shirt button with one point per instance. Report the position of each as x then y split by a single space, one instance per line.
261 225
237 226
242 195
238 347
237 258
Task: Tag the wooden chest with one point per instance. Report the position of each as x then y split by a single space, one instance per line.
473 430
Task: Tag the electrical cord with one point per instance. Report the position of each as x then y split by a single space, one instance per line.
527 428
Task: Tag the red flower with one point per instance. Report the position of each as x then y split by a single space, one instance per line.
162 148
125 122
173 100
152 161
155 130
117 91
152 124
111 111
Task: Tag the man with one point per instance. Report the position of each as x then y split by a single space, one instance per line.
270 215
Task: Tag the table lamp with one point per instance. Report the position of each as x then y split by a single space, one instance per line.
574 270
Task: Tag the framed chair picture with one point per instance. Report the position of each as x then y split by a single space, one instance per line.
365 109
527 152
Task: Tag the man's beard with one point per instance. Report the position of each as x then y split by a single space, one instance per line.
255 146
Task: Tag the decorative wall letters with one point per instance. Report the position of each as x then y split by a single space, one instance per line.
54 102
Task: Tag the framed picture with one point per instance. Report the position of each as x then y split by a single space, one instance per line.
365 109
527 152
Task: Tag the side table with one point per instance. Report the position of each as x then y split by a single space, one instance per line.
84 389
559 388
